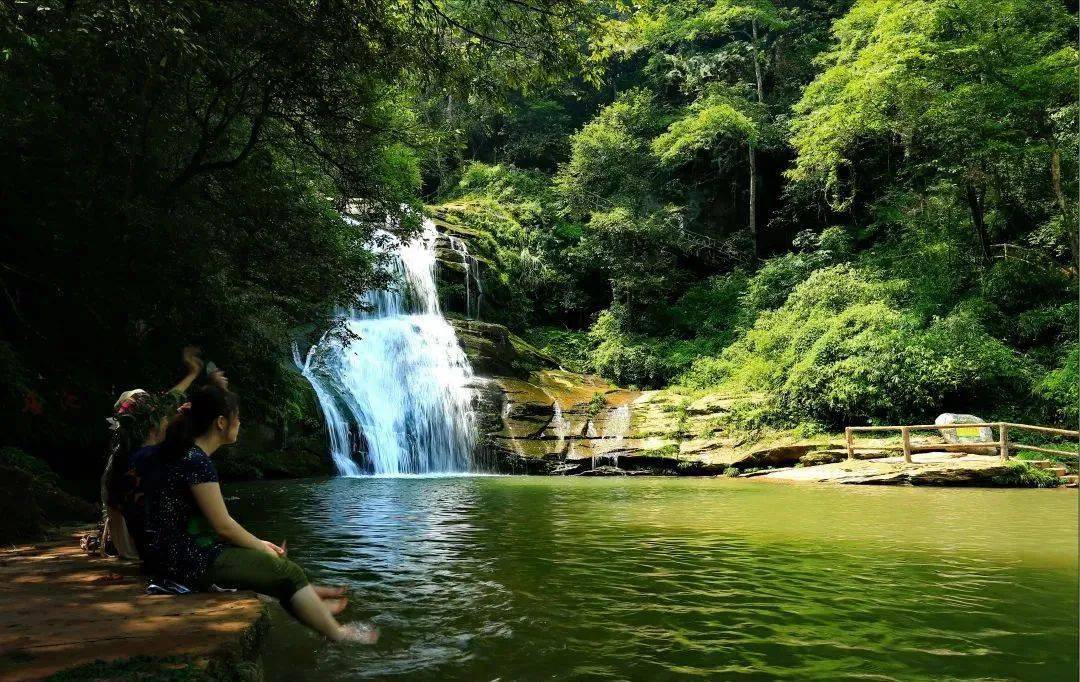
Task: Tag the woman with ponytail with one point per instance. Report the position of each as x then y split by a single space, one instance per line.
191 537
137 424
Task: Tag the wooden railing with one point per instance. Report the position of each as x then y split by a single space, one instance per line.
1003 445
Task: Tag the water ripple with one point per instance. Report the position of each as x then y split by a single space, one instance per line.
521 579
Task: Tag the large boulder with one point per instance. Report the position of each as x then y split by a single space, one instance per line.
975 434
493 350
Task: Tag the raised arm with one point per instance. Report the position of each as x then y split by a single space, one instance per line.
194 364
212 505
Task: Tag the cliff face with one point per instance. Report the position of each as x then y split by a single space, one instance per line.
535 417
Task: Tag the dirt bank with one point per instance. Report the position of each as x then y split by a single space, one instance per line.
60 610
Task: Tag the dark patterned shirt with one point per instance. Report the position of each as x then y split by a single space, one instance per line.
180 543
143 472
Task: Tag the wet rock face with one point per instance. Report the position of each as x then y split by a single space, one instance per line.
535 418
494 351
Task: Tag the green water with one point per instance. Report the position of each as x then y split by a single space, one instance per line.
650 579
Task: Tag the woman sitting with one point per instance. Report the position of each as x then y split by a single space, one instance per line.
138 424
191 538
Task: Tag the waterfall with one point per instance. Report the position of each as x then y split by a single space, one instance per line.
618 423
559 422
396 381
472 274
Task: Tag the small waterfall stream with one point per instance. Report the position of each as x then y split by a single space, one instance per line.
398 381
618 423
472 275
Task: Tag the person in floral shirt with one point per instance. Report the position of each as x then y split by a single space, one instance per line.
138 424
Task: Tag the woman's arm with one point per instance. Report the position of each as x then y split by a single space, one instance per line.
194 364
121 539
212 505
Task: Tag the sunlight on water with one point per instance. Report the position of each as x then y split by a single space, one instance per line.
399 385
522 578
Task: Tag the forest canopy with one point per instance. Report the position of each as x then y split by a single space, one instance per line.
861 210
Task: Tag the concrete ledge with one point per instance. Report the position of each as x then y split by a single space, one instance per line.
60 609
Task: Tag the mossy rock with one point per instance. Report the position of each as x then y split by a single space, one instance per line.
243 464
811 459
494 351
30 505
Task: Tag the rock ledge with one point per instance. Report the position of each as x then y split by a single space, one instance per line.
60 609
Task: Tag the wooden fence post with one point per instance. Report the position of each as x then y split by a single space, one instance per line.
905 432
850 445
1003 441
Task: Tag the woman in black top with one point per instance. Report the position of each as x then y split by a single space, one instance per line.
191 538
139 420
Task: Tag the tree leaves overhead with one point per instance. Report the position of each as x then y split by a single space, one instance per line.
173 171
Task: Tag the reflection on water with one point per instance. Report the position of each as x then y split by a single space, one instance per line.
630 578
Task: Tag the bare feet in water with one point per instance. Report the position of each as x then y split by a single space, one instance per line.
329 591
336 606
359 633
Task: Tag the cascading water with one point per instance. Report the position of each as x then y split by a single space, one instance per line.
472 274
398 379
618 423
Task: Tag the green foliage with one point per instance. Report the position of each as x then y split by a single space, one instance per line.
571 348
1060 389
713 120
1067 456
596 405
713 308
840 350
635 359
1022 475
611 161
537 134
14 457
531 265
965 89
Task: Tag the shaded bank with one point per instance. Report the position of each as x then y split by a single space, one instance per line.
61 610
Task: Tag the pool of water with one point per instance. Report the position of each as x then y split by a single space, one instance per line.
522 578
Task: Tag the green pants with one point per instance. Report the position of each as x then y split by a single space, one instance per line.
250 569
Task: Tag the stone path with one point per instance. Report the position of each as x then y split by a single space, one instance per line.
60 609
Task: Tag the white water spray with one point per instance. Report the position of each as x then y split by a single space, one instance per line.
472 274
398 382
618 423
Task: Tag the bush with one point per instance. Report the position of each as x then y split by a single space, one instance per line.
1022 475
712 307
571 348
842 350
1059 390
778 277
14 457
636 360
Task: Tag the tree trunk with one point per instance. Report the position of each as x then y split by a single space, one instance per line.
753 201
757 63
1055 177
975 199
758 81
1063 204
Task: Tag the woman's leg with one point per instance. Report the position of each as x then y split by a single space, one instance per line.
312 611
249 569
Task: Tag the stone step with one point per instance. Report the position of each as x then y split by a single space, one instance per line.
1070 481
1059 470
